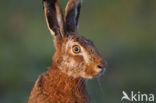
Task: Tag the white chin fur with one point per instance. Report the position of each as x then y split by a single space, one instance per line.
102 72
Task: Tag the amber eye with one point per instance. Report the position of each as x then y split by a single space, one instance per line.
76 49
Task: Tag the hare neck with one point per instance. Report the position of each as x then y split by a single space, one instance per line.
63 87
62 78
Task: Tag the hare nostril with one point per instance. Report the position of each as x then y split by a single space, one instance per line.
99 66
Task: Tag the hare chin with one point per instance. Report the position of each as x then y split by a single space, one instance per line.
84 75
102 73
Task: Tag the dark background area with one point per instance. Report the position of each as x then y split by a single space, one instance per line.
124 31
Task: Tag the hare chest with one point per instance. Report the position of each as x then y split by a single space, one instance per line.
50 88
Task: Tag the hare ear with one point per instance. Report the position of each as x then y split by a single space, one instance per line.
72 13
54 17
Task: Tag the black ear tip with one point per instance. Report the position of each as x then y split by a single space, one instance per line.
49 1
46 1
43 1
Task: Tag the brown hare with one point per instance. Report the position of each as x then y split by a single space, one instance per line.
75 59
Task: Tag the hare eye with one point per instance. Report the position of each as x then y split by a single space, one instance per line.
76 49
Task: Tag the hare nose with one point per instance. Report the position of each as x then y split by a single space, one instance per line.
100 66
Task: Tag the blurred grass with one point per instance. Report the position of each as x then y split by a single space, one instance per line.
123 31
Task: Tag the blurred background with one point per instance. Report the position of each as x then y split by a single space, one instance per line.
124 31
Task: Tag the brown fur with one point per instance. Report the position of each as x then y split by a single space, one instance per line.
60 88
64 82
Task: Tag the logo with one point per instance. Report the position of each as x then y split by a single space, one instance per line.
137 96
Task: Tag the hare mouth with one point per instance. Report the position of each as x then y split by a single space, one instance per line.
101 72
98 73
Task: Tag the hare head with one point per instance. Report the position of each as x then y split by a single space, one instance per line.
75 55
